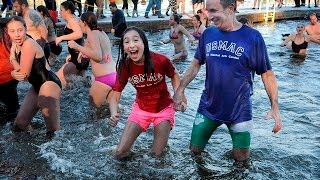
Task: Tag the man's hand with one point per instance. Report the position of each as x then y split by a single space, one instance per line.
276 116
180 102
58 40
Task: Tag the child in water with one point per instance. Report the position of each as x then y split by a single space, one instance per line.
146 71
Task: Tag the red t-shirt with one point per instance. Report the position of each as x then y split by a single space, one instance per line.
5 66
152 92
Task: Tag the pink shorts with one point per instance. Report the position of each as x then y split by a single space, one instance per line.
144 118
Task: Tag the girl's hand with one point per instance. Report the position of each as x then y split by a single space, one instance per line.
68 58
73 45
114 119
20 76
58 40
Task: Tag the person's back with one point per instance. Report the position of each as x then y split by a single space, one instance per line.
106 65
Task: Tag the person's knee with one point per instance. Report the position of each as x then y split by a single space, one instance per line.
20 123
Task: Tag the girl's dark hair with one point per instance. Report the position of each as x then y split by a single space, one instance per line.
90 19
176 18
46 13
198 18
123 63
68 5
4 37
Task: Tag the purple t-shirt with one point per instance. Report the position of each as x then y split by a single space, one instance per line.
231 60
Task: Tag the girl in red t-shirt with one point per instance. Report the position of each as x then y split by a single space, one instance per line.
146 71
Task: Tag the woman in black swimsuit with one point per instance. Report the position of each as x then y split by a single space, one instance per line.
27 58
72 31
299 40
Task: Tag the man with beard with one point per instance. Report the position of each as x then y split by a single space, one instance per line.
35 25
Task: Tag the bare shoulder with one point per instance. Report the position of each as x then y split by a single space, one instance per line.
35 18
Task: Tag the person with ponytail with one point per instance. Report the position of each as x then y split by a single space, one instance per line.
51 26
97 50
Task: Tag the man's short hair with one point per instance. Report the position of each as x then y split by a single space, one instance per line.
21 2
113 5
226 3
313 14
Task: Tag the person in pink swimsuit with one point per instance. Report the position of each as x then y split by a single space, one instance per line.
147 72
97 50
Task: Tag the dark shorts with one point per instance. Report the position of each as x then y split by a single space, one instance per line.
9 96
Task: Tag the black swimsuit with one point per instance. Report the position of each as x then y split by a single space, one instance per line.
74 53
39 73
297 47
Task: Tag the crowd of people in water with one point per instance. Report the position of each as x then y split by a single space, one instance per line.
232 52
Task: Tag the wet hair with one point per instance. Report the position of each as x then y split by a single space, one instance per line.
301 25
123 63
198 18
226 3
21 2
45 13
176 18
90 19
4 37
243 20
17 18
113 5
68 5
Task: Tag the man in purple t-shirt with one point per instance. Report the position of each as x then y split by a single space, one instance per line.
233 53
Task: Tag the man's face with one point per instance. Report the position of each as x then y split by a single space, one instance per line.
18 8
220 17
313 19
112 9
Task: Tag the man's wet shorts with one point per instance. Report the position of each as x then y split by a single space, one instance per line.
204 127
144 118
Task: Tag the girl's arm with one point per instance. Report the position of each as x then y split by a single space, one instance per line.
77 33
175 81
185 32
285 42
28 53
113 106
93 51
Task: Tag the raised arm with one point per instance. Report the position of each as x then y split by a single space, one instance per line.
285 42
270 84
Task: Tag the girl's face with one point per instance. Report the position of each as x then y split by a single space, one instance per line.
17 32
300 28
41 14
194 21
133 46
172 21
63 12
